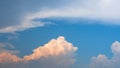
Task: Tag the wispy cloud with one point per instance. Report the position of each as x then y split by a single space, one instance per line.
26 24
103 10
7 47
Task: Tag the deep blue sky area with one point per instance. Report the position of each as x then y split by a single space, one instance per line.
91 25
91 39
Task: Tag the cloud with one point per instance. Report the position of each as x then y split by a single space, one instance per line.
103 10
6 57
107 11
102 61
13 13
58 53
7 47
26 24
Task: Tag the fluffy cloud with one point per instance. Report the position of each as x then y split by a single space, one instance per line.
102 61
58 53
6 57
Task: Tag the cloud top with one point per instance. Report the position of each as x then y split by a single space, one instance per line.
55 47
102 61
57 52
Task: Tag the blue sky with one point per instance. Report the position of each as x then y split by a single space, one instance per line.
92 26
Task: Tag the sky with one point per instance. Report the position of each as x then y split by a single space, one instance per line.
59 34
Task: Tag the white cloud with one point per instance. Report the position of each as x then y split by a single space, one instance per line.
105 10
58 53
102 61
26 24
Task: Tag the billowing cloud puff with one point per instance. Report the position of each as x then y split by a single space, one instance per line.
53 48
58 53
102 61
8 58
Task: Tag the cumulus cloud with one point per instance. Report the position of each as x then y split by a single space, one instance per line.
102 61
6 57
58 53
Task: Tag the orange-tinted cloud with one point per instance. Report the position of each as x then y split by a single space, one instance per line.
6 57
56 54
55 47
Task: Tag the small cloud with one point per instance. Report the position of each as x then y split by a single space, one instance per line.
7 47
21 27
102 61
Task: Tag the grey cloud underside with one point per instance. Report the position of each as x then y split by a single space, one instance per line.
52 62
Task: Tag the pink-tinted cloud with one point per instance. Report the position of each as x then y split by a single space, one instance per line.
8 58
58 53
